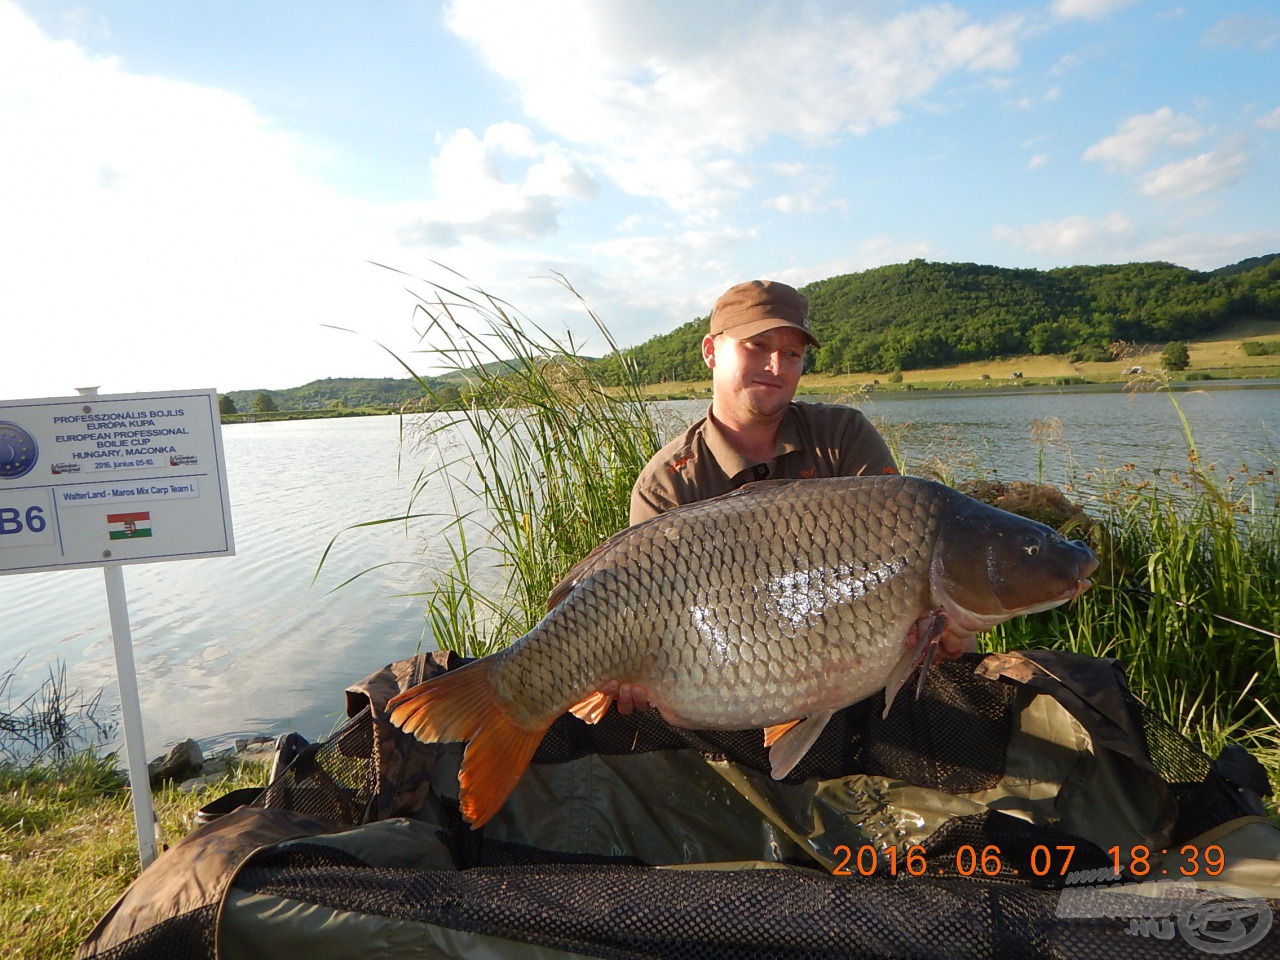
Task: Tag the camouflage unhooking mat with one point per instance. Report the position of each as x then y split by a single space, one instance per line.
986 820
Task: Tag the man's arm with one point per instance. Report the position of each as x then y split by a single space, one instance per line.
646 503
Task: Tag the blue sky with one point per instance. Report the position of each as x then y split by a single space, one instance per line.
190 194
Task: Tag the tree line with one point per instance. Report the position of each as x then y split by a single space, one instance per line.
347 393
924 314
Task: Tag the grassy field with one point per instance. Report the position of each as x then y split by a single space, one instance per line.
1218 356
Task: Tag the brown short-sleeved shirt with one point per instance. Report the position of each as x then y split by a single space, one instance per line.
815 440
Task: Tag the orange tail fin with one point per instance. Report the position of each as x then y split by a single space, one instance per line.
462 705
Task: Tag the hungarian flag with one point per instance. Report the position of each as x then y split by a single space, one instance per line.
126 526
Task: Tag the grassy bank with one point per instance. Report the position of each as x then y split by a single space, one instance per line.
67 843
68 847
326 414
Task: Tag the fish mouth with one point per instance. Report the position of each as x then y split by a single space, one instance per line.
1083 584
1080 586
972 622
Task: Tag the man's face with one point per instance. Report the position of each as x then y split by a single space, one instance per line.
755 378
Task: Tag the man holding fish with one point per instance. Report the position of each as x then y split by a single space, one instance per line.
755 430
771 606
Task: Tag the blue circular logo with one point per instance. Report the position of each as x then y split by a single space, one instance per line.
17 451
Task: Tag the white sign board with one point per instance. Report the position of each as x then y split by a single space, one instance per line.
124 478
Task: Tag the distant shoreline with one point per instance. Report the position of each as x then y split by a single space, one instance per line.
701 390
280 415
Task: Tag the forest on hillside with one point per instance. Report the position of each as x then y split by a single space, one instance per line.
350 393
924 314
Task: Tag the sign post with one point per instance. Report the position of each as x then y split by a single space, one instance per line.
144 813
109 480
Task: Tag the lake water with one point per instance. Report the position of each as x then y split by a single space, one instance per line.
249 644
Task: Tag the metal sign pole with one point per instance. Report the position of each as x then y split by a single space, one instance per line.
144 814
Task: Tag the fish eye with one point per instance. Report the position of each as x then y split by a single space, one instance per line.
1032 549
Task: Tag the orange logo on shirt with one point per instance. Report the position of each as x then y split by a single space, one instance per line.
675 466
806 474
892 470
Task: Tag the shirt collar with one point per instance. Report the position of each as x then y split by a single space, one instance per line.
731 461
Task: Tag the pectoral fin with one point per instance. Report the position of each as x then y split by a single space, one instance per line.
789 742
926 631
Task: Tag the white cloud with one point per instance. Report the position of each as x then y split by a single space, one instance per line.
1201 251
1038 161
1271 121
1026 103
1215 170
498 187
1240 32
658 88
1068 236
1142 136
1087 9
682 254
792 203
158 234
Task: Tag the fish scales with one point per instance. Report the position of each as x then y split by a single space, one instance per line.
770 607
769 619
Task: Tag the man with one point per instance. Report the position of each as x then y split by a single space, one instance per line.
754 430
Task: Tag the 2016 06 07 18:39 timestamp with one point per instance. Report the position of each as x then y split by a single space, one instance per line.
1043 861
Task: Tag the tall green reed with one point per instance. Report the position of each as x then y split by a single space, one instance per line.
538 459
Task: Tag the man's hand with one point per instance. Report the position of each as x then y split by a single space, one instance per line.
629 696
951 646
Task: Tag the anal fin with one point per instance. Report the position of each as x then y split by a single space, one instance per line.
792 741
773 734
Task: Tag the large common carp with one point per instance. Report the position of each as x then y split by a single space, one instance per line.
773 606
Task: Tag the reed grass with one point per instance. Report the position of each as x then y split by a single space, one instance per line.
538 461
54 723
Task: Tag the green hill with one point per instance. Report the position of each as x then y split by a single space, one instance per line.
351 392
923 314
916 315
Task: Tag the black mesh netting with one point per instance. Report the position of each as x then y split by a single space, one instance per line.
1203 799
191 936
633 912
335 780
953 739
